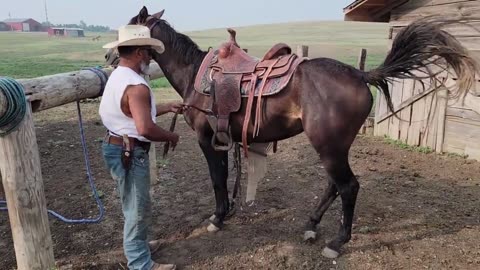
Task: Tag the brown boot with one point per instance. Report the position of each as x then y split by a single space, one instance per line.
154 245
157 266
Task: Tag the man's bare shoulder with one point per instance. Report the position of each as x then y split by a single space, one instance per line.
138 91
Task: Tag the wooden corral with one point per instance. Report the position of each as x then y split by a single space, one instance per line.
428 118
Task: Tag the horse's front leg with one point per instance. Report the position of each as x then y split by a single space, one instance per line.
218 167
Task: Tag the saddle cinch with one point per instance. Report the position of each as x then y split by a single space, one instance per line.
228 73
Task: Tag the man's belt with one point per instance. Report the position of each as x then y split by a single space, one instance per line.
133 142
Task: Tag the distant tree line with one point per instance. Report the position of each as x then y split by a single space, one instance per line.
83 25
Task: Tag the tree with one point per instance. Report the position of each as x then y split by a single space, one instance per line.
83 24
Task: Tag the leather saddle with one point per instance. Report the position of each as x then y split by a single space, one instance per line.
228 73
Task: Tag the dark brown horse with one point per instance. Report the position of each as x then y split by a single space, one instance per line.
326 99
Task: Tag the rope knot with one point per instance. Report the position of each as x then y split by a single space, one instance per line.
13 105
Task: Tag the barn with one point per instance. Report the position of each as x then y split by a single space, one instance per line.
24 25
4 27
66 32
427 118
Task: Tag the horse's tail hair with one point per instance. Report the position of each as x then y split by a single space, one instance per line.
421 51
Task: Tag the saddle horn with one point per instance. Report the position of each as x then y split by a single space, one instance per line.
233 36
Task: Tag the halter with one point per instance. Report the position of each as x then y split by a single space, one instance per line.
149 18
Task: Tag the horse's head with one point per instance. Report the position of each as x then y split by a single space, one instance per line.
154 22
112 58
177 45
143 17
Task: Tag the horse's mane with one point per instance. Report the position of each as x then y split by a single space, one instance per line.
180 43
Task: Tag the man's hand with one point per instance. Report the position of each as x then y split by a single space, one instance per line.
176 107
164 108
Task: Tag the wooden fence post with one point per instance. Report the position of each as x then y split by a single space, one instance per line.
368 126
23 186
442 101
302 50
361 59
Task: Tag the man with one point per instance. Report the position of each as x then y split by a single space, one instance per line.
128 111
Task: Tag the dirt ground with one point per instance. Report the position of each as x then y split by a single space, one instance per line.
414 210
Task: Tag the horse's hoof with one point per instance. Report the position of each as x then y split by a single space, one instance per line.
212 228
330 253
231 211
212 218
309 236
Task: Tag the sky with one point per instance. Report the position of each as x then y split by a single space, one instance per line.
184 15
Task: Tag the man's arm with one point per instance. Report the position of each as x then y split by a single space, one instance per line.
138 97
163 108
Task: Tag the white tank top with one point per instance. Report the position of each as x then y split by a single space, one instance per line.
110 111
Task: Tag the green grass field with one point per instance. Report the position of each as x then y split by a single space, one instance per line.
27 55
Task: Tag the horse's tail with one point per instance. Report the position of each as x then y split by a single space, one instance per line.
419 47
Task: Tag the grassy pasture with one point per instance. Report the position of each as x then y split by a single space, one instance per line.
27 55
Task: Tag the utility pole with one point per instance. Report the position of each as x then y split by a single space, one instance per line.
46 13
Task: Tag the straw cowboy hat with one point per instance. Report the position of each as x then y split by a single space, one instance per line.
135 35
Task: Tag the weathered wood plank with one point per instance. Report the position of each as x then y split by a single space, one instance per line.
461 136
461 9
256 168
430 121
416 122
411 5
393 122
382 105
394 128
405 123
463 113
470 102
470 43
405 113
408 89
397 93
377 109
442 99
406 103
23 185
476 55
384 128
465 29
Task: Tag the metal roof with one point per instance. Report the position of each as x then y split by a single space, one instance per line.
66 28
16 20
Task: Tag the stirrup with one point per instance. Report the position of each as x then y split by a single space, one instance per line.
218 147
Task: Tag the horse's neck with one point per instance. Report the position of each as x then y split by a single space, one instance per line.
181 76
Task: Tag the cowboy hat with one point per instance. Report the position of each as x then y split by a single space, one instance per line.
135 35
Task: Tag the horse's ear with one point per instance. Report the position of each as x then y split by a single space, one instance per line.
142 16
158 15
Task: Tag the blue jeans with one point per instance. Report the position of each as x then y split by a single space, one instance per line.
133 189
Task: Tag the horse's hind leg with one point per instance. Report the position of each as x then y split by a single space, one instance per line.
338 169
329 196
334 154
